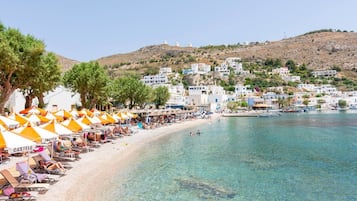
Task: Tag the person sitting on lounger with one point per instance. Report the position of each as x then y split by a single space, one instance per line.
51 166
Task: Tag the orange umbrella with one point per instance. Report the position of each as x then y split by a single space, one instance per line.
75 125
85 112
109 118
57 128
35 133
88 120
33 110
35 118
15 143
19 118
64 114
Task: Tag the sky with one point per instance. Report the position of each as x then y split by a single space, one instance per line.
86 30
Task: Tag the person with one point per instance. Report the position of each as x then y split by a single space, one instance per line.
51 165
191 134
198 132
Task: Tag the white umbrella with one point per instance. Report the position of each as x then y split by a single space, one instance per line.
36 133
9 123
14 143
57 128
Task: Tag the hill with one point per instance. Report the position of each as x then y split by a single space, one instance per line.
321 50
318 50
66 63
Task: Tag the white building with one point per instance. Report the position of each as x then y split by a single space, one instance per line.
155 79
291 78
177 95
59 98
200 68
206 95
165 71
308 87
240 90
324 73
231 62
327 89
282 71
223 69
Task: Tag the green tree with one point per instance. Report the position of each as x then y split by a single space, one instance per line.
90 81
342 103
291 65
20 56
131 92
161 96
233 106
45 79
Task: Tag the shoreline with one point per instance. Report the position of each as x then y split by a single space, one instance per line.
90 174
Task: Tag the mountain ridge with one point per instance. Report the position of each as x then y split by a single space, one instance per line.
318 50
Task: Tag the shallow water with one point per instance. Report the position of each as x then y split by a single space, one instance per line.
291 157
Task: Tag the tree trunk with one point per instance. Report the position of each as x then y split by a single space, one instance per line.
28 100
5 95
83 100
41 102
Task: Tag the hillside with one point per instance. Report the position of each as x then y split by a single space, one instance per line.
66 63
317 50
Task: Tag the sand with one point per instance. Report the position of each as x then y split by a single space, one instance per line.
94 168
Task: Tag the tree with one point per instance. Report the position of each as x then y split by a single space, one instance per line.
161 96
20 56
291 65
342 103
46 78
130 91
232 106
90 81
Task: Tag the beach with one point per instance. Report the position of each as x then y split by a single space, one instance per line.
90 174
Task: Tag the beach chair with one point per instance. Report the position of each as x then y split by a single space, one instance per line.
58 157
44 155
28 174
20 187
41 166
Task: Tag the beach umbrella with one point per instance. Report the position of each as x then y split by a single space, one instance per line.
34 110
101 120
19 118
123 116
64 114
95 112
14 143
51 116
36 133
117 118
55 127
89 120
85 111
37 119
109 118
8 123
74 114
2 128
75 125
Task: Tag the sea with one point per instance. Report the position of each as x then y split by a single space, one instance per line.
300 156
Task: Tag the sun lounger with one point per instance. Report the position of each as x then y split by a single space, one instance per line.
44 155
59 157
28 174
18 187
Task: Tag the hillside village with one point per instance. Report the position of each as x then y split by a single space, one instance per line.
214 98
231 77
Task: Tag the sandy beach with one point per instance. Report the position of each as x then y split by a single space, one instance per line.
87 176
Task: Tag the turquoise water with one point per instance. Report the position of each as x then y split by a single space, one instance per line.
291 157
